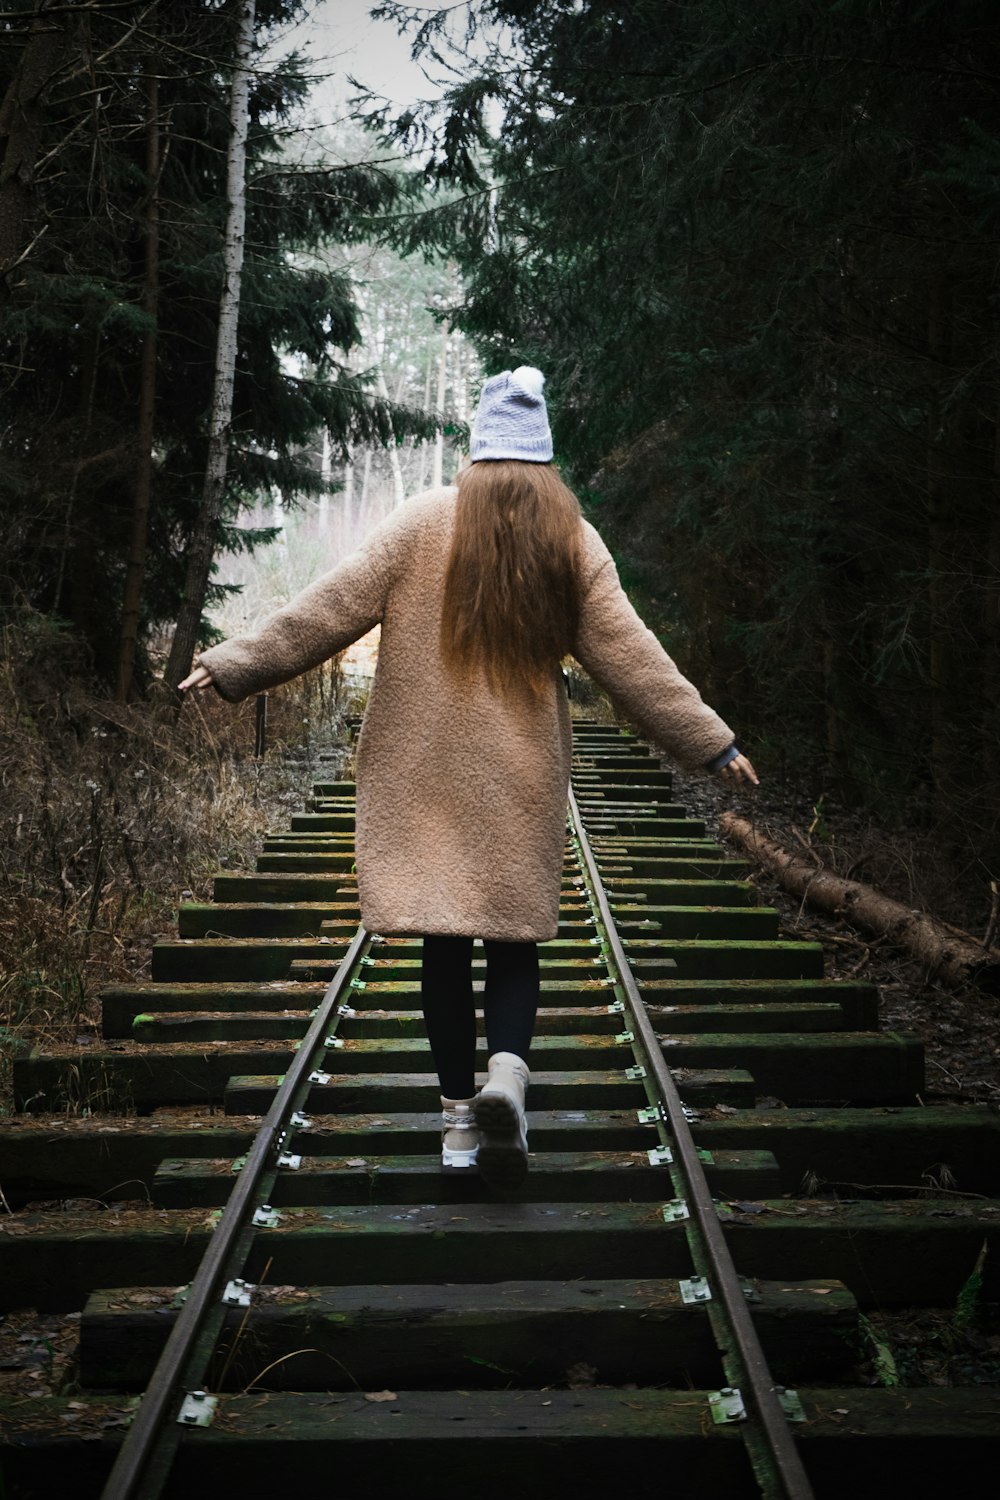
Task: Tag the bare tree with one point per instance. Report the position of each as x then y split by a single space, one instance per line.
203 542
136 566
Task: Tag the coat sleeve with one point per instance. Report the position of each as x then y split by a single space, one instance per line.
624 656
337 609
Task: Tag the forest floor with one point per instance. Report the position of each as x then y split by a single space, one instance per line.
960 1028
111 817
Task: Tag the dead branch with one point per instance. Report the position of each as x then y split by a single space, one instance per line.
952 957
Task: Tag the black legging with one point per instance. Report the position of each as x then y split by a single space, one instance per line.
510 1003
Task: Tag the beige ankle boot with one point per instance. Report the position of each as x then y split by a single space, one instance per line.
459 1135
499 1111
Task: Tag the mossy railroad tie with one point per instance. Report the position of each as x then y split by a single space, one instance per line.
923 1437
383 1273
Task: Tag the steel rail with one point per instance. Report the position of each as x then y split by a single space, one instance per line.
779 1443
154 1410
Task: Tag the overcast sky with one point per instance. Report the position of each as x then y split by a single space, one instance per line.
339 38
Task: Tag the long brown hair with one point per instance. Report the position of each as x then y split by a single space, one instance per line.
511 589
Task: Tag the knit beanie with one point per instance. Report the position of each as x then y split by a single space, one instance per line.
511 421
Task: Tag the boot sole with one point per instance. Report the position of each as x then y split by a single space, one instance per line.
503 1163
503 1156
496 1112
459 1161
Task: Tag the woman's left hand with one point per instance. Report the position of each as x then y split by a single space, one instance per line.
740 770
201 677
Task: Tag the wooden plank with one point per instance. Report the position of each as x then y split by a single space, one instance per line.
896 1254
133 1077
662 958
356 1093
697 923
197 919
671 891
924 1438
852 1148
53 1261
238 958
120 1004
621 822
725 960
246 1025
71 1156
858 1001
501 1334
598 1176
864 1067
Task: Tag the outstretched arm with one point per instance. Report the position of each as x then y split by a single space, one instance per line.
625 657
337 609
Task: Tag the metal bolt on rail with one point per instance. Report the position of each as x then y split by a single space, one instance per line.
197 1409
727 1405
695 1289
238 1292
790 1404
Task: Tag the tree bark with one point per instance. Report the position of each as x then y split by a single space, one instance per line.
398 491
202 547
437 475
136 567
953 957
22 120
943 667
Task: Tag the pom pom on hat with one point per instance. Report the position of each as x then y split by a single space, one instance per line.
527 379
511 421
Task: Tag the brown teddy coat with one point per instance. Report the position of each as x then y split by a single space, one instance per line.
461 802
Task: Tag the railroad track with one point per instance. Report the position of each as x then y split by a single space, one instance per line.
729 1173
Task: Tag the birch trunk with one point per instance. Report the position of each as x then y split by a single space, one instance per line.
136 566
438 472
202 547
398 492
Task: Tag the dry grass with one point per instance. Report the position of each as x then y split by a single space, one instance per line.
110 815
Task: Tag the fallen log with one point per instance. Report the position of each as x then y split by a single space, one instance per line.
949 956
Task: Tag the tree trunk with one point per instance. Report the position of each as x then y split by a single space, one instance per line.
203 542
22 120
424 444
956 958
991 621
398 492
74 588
136 566
437 476
941 521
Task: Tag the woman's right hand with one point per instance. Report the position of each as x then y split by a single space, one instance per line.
201 678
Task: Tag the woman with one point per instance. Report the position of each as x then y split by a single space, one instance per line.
464 755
